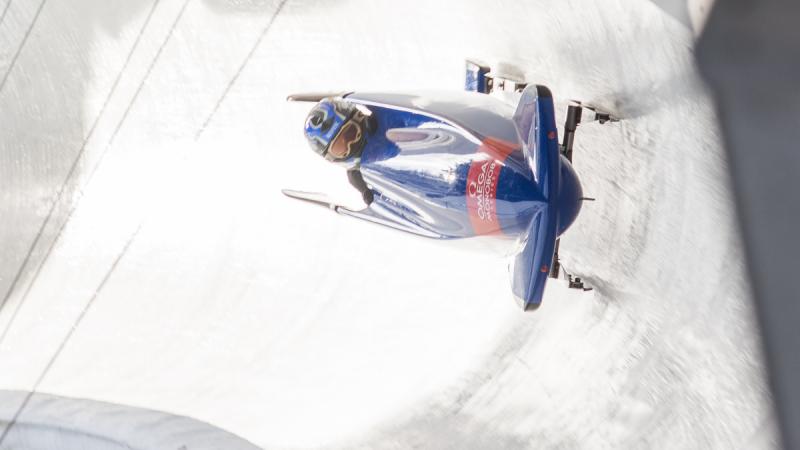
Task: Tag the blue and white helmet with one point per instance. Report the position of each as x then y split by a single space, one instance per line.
335 129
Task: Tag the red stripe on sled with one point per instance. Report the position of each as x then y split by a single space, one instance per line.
482 177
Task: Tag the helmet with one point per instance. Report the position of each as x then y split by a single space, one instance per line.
336 130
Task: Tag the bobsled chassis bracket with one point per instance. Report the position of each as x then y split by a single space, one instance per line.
574 115
481 78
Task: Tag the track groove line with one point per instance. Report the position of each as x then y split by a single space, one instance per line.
241 69
22 44
105 151
69 335
5 11
61 190
144 80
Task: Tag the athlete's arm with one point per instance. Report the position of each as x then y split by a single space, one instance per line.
357 180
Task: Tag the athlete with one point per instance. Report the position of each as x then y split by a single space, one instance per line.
337 130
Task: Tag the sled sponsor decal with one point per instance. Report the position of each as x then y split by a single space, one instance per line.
482 177
482 194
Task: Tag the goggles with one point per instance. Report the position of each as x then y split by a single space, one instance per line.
346 141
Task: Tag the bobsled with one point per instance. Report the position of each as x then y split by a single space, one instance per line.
455 165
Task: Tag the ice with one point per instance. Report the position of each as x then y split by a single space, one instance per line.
290 326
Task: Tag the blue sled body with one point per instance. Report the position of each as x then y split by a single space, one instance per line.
461 164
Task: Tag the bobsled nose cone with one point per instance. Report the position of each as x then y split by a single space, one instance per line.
569 198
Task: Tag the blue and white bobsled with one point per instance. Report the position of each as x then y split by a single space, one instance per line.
450 165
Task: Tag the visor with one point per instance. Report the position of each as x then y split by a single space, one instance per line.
347 141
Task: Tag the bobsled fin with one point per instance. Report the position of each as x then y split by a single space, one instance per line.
316 198
371 214
530 267
314 96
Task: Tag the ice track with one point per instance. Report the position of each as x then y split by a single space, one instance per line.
150 261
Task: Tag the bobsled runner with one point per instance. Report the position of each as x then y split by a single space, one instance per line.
450 165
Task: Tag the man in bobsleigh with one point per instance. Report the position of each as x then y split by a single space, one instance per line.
455 165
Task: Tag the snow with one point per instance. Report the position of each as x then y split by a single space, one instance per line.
173 276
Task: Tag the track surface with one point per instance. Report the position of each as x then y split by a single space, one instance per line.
150 260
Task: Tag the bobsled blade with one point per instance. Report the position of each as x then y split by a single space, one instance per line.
316 198
600 114
312 96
